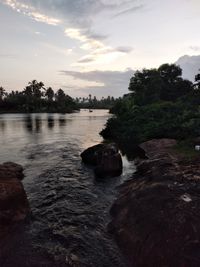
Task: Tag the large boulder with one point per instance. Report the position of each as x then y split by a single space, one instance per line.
92 154
14 205
156 218
106 159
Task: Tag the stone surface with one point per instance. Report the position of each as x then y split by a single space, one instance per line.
14 205
156 219
106 159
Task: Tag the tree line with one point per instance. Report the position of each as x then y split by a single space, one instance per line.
91 102
37 98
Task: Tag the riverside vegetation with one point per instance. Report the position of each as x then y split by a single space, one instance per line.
37 98
161 104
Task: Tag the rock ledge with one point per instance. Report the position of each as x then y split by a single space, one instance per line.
156 219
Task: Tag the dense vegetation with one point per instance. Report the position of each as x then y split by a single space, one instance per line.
36 98
160 104
94 103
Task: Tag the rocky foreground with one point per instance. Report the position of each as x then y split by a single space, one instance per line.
14 205
156 219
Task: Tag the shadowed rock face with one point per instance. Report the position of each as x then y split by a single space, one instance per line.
106 159
14 205
156 219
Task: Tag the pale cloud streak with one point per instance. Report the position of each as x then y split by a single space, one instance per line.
31 12
128 11
98 52
104 82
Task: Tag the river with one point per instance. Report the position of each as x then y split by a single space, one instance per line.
69 208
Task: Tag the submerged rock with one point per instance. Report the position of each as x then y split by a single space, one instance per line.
14 205
156 219
106 159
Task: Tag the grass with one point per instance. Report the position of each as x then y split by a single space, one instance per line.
187 150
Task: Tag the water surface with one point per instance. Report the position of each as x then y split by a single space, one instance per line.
70 209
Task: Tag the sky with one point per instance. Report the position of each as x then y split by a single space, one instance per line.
92 46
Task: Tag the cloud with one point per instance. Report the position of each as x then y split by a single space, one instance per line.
107 82
195 48
86 59
77 18
190 66
31 12
78 13
98 51
129 11
7 56
103 55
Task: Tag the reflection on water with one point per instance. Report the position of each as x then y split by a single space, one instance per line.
19 131
2 126
62 120
51 122
70 210
28 123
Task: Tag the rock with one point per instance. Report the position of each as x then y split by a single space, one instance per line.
157 147
92 154
156 218
110 166
14 205
11 170
106 159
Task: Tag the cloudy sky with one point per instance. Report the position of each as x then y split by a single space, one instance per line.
92 46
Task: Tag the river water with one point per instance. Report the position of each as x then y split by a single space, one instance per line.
69 208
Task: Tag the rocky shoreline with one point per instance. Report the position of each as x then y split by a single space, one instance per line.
156 218
14 206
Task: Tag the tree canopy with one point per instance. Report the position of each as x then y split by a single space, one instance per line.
162 84
36 98
160 104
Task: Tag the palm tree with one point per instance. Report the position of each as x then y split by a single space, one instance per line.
36 88
2 92
197 81
60 95
49 94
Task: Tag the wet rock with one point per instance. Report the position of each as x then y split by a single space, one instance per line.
10 170
110 166
14 205
106 159
156 219
92 154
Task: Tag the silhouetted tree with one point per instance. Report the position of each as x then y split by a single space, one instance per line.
2 92
49 93
197 80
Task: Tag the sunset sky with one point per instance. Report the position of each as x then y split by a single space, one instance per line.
92 46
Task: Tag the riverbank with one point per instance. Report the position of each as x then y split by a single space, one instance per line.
156 218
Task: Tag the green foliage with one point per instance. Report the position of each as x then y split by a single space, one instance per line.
162 84
161 105
186 150
36 98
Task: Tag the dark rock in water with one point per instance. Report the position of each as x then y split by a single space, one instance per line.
11 170
156 219
92 154
110 166
106 159
14 205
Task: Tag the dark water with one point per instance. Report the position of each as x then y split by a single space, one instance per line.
70 209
